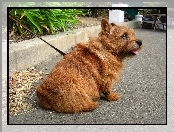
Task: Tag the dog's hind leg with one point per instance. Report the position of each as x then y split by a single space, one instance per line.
111 96
42 96
91 106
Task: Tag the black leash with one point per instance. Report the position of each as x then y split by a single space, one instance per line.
62 53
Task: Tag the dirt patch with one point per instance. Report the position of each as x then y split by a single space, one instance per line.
20 88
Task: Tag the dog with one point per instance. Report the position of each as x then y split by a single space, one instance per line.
89 71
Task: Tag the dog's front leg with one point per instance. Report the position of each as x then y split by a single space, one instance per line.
111 96
107 91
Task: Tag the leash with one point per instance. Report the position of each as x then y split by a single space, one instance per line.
62 53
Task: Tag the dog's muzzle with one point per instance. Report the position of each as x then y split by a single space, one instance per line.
139 43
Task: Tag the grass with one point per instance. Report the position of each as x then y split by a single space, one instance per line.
45 21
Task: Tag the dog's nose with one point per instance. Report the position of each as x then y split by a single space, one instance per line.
139 42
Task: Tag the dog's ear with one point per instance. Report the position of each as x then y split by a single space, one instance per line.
105 25
113 24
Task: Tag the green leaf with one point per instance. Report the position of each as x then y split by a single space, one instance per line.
30 18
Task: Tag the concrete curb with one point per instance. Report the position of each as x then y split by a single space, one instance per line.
28 53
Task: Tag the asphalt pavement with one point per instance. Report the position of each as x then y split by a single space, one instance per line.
142 90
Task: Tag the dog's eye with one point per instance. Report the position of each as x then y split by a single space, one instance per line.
124 36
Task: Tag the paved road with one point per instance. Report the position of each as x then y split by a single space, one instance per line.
142 88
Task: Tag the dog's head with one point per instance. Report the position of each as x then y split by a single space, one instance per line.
119 40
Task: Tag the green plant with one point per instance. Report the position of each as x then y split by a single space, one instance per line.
45 20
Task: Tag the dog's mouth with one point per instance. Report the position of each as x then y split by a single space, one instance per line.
135 52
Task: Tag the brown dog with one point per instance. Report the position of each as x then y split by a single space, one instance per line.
78 80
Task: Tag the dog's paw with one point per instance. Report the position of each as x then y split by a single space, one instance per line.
112 96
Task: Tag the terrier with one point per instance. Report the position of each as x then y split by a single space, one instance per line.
77 81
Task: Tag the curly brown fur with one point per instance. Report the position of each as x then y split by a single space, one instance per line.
77 81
